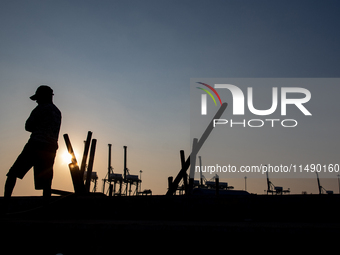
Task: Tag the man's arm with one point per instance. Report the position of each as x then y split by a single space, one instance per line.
31 122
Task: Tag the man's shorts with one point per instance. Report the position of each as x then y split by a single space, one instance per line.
40 158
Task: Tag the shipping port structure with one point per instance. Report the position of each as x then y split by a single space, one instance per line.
91 222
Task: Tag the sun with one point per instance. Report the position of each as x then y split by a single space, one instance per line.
66 157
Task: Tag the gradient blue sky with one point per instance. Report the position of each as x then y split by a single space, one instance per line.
122 69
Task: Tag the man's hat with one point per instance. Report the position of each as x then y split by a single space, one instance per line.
42 91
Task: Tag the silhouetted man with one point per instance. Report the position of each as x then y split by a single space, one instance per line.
40 150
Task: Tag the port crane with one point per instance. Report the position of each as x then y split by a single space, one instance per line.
321 189
275 189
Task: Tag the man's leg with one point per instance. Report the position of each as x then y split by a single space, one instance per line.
43 173
20 167
9 186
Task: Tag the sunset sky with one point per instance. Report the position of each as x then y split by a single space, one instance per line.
122 70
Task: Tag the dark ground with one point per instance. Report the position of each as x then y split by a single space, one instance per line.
101 225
